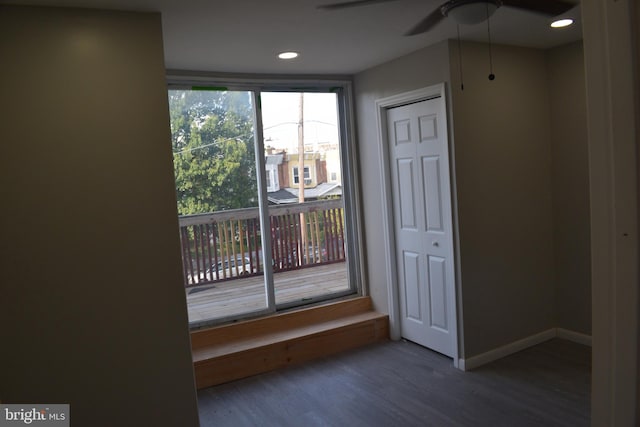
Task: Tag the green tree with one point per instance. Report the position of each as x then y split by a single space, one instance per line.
213 150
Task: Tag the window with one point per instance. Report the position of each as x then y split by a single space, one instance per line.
254 241
307 175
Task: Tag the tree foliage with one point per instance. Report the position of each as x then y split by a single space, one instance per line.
213 150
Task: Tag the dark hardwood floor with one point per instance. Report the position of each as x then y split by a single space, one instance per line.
403 384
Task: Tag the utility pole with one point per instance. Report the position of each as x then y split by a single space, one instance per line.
301 149
303 225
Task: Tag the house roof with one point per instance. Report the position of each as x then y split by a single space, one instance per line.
290 195
274 159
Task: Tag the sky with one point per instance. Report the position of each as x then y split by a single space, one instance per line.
280 117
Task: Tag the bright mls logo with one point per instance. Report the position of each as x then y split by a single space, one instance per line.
37 415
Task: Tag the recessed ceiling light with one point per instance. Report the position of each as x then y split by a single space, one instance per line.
562 23
288 55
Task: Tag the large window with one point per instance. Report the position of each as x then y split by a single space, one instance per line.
255 237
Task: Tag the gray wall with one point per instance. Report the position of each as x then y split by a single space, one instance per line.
422 68
503 141
503 164
570 167
92 308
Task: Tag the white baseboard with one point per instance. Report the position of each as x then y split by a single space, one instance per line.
516 346
506 350
576 337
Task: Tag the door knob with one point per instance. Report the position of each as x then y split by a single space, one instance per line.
435 243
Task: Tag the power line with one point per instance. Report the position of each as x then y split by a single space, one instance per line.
236 138
296 123
240 138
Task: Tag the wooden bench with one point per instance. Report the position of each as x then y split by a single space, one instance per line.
229 352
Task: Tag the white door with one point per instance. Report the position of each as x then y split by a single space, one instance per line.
418 147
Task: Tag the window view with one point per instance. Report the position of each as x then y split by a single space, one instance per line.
307 213
219 205
212 135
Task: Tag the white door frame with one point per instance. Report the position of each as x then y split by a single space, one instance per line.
388 233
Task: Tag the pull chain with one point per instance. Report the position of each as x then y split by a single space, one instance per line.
491 75
460 58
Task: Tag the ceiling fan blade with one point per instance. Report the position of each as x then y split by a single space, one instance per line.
546 7
352 3
427 23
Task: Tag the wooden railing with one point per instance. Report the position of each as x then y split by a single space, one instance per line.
228 244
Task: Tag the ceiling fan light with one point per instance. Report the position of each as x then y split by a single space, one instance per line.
561 23
288 55
470 12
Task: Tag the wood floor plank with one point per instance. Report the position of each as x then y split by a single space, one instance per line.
403 384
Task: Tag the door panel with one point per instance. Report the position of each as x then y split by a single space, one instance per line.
411 289
422 216
437 292
431 185
428 128
407 202
402 132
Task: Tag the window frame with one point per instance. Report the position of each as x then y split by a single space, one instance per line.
349 170
306 175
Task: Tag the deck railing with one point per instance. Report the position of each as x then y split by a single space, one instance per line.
227 245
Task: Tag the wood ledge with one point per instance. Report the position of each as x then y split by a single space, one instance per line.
235 351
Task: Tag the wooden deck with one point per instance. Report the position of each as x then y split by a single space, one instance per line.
227 298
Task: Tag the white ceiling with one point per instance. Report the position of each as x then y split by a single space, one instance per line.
244 36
